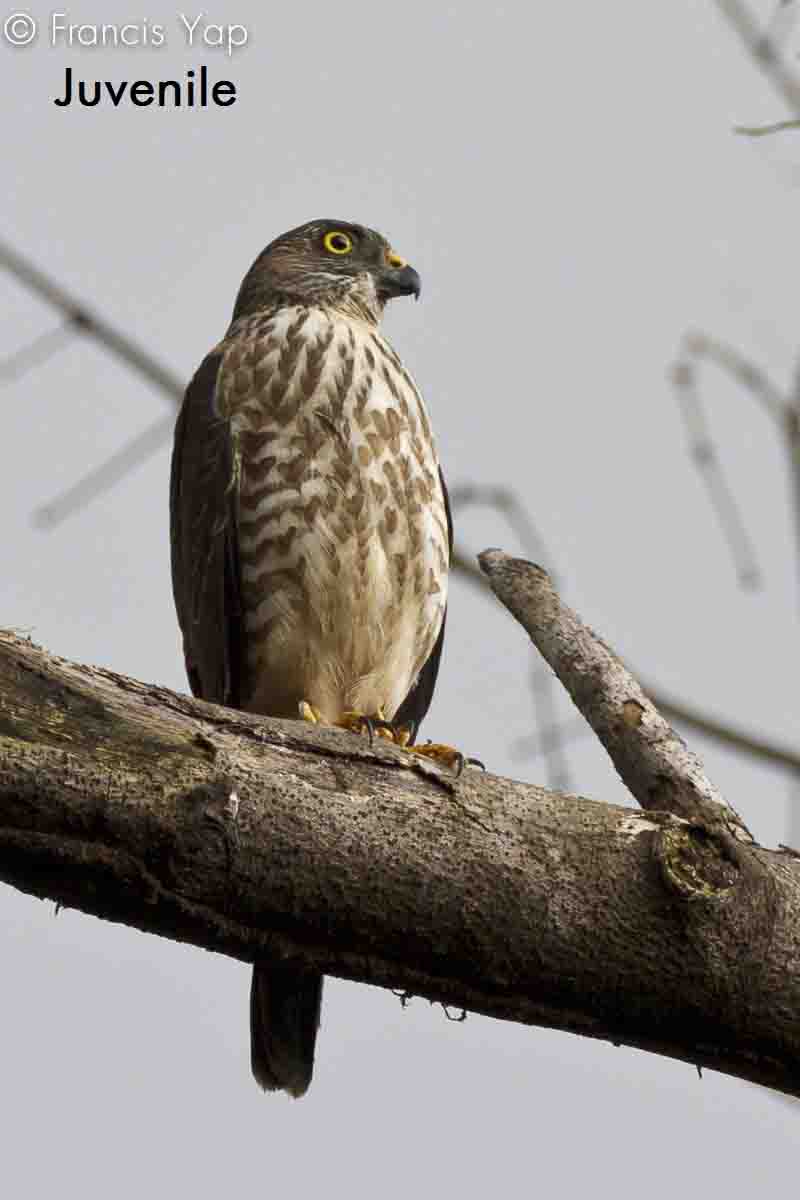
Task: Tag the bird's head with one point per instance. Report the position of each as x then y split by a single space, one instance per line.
331 263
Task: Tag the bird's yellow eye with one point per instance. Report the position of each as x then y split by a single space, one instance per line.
338 242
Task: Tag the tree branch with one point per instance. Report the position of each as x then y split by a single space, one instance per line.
654 763
743 740
257 837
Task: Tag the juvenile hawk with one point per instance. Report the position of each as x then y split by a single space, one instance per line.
311 531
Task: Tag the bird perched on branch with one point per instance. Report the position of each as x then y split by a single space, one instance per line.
311 533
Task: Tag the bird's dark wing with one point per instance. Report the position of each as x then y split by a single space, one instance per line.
205 560
416 704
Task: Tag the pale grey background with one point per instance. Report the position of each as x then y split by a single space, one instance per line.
566 181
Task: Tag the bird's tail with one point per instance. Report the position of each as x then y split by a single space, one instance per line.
285 1005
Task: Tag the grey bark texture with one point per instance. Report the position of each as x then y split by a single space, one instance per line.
654 763
254 837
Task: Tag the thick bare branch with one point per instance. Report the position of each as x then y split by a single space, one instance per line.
254 837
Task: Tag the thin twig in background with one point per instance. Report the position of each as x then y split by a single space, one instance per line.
764 50
705 457
702 345
782 22
532 745
547 735
101 479
87 322
503 500
80 319
783 411
764 47
550 740
37 351
764 130
110 339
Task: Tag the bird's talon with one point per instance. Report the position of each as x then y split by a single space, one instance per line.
398 735
357 722
446 756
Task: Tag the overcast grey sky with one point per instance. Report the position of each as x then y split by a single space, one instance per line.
566 181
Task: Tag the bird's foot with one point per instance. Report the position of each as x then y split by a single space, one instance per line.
354 722
309 713
371 725
399 735
446 756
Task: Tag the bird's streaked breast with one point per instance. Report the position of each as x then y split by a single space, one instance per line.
342 526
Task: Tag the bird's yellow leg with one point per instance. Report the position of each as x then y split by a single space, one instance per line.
354 722
309 713
446 756
399 735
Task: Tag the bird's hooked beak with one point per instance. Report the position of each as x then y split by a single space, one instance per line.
397 278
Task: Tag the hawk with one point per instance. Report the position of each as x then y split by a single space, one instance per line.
311 532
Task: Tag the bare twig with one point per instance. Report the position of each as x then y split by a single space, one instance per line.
704 455
763 50
782 22
92 325
696 347
543 692
505 501
764 53
531 745
765 130
37 351
101 479
550 729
